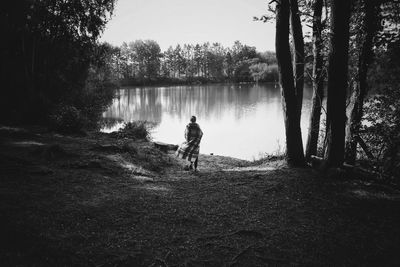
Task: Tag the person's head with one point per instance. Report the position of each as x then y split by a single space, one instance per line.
193 119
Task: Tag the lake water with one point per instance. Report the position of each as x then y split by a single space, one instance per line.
240 120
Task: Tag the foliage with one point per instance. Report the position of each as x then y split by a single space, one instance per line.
99 89
50 47
381 125
390 23
381 131
86 110
91 100
264 72
137 130
384 26
67 119
141 62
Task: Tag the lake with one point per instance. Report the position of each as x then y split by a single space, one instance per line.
238 120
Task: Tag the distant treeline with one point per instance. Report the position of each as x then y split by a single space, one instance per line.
142 62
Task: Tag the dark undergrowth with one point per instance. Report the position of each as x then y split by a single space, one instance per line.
102 200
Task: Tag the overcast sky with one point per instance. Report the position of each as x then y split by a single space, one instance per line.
170 22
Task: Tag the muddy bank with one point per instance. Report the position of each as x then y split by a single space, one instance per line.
97 200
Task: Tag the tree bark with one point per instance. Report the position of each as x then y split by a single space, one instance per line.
360 84
317 83
337 82
298 52
294 145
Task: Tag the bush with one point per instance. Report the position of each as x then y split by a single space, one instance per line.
381 130
381 121
83 110
138 130
94 100
67 119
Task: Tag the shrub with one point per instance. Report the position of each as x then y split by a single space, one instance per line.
381 121
67 119
381 132
84 110
94 100
138 130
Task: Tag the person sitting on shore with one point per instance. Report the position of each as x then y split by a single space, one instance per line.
191 147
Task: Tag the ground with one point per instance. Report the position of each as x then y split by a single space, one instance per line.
105 200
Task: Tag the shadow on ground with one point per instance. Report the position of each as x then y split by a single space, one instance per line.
101 201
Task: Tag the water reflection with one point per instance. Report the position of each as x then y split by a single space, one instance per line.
242 121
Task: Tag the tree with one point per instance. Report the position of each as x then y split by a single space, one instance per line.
216 60
317 82
179 60
152 59
197 59
228 65
145 57
48 53
382 112
259 71
188 51
268 57
142 61
205 59
294 144
369 25
243 56
298 52
126 70
337 82
169 62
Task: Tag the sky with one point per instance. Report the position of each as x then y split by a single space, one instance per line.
171 22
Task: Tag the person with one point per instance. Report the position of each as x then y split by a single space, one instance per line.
191 147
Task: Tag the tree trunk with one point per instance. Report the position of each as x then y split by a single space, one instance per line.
317 83
294 145
298 52
360 84
337 82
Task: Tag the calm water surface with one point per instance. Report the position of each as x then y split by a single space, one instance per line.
242 121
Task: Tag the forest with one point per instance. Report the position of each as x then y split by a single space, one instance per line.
142 62
52 60
353 43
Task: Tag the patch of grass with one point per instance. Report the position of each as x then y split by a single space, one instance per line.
278 154
267 158
152 160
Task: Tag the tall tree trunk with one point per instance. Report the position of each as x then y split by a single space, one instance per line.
294 145
317 82
298 52
337 82
368 30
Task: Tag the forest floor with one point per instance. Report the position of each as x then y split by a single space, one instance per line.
97 200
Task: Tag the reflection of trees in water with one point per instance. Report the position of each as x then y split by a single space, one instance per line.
136 104
204 101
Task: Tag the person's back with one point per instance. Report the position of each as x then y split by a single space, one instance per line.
193 132
190 149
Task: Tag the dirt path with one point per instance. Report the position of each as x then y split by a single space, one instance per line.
100 201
